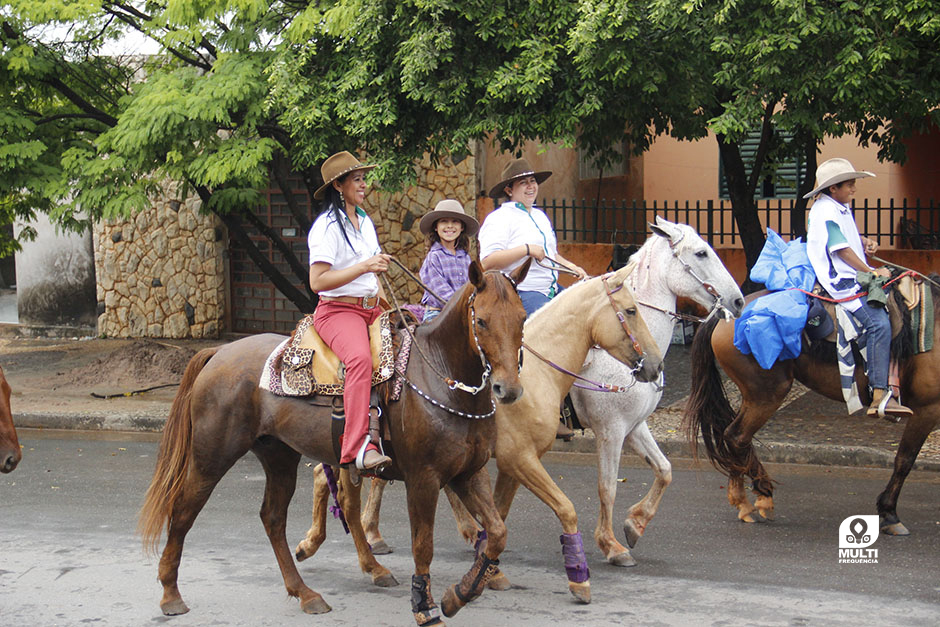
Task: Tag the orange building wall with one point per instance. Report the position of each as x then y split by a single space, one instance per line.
562 162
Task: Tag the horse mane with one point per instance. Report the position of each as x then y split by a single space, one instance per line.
565 293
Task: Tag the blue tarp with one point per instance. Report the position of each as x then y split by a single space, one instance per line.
770 327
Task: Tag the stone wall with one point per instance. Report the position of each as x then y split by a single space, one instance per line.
161 273
397 215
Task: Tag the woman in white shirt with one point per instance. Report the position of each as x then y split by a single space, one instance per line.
344 257
518 229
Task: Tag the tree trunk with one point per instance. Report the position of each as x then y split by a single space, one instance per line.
743 206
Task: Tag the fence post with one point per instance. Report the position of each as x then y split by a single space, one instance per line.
710 220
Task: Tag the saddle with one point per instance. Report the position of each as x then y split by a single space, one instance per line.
820 321
304 365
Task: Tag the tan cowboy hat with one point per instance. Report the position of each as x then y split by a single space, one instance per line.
517 168
336 166
449 209
833 172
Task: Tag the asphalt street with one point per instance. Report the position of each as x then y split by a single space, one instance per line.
69 555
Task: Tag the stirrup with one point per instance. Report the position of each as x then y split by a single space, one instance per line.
360 458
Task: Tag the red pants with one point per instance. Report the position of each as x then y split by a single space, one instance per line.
345 329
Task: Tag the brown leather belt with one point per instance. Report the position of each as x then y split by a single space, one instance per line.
366 302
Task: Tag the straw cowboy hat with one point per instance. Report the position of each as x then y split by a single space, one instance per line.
336 166
449 209
833 172
516 169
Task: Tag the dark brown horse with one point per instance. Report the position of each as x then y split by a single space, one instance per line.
220 413
10 454
727 434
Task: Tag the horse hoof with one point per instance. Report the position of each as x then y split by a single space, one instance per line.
745 515
632 532
301 553
499 582
385 581
315 605
766 514
581 591
895 529
622 559
449 604
174 608
381 548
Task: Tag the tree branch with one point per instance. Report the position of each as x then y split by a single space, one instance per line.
279 168
766 132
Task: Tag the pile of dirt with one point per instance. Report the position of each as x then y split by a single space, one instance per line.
136 365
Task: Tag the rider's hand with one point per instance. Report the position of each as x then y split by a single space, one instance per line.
582 275
377 263
882 271
871 246
536 251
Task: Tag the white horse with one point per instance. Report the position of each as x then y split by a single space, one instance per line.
677 263
673 262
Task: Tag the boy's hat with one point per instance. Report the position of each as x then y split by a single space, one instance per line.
517 169
833 172
336 166
449 209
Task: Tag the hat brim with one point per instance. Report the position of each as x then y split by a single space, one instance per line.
322 189
470 224
839 178
497 190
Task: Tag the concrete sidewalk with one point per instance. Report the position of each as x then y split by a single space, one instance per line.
53 381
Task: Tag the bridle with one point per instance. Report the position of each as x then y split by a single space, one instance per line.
716 308
584 382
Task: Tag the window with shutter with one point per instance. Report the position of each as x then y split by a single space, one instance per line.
782 179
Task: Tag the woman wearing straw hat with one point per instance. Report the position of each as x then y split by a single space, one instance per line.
518 229
448 230
344 257
837 253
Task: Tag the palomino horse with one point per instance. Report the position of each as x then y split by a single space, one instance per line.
220 413
727 434
674 262
601 311
10 454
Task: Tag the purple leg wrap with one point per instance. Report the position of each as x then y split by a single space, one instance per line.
480 544
335 509
575 561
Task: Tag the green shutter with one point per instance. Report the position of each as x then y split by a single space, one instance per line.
785 180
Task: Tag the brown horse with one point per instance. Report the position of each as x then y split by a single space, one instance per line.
600 312
727 434
220 413
10 454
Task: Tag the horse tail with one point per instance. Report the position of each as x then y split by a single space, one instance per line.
173 459
708 411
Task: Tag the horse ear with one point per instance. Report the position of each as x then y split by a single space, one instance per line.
664 228
518 275
658 231
475 275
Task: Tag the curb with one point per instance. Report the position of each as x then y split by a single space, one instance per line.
672 447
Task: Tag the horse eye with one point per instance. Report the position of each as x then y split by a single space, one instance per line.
631 311
481 323
702 254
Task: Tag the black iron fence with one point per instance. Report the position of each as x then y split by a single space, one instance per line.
894 224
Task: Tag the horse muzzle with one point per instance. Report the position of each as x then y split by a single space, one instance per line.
647 369
9 460
507 393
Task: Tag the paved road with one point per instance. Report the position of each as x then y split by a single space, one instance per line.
68 554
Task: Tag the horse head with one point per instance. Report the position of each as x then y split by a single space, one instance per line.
496 327
10 453
693 270
619 328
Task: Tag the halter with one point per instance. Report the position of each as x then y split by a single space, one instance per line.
709 288
623 319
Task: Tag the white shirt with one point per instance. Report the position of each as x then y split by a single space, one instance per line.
832 227
511 225
327 244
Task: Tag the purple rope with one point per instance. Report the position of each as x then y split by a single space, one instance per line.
576 566
335 509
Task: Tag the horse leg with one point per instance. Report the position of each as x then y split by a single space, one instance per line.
475 494
916 431
350 500
739 437
466 524
609 442
641 513
317 532
422 494
527 469
503 494
370 517
280 467
196 491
